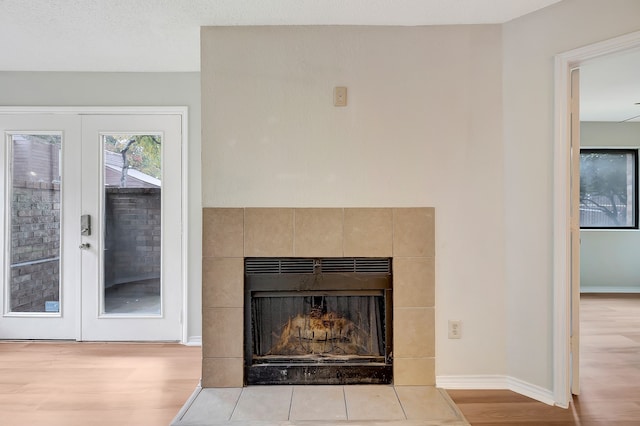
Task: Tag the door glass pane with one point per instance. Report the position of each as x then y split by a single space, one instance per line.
132 224
35 223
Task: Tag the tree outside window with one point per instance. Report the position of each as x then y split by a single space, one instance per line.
608 188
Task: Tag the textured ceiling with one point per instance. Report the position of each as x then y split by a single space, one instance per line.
163 35
610 88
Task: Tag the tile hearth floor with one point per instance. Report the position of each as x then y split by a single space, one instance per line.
320 405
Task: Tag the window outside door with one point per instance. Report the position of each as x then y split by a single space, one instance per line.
92 227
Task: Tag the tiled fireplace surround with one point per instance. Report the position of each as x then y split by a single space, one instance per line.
404 234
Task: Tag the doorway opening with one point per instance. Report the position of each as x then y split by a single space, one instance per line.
566 287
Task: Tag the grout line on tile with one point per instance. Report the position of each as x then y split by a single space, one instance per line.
344 399
343 235
404 413
236 405
393 228
293 389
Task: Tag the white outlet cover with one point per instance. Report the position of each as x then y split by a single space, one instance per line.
455 329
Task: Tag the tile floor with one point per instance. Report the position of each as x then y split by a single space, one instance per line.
320 405
136 297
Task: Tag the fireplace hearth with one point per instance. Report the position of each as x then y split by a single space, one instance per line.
318 321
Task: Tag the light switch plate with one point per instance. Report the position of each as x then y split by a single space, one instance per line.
340 96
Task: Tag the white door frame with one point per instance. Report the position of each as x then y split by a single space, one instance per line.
182 111
564 63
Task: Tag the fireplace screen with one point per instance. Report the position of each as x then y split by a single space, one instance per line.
324 321
320 326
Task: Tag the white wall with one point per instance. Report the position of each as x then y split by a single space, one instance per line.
127 89
422 128
530 44
609 258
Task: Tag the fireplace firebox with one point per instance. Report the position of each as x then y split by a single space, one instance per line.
318 321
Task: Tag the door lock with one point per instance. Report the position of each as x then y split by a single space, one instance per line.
85 246
85 225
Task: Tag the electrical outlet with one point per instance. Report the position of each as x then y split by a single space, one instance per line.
455 329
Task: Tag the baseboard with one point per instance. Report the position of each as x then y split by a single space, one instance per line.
472 382
607 289
532 391
477 382
194 341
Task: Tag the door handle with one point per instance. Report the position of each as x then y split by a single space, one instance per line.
85 225
85 246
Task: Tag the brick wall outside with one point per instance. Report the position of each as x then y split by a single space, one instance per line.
133 237
35 245
133 234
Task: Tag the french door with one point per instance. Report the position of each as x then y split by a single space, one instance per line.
91 227
131 238
41 261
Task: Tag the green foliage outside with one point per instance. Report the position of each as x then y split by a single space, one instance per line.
141 152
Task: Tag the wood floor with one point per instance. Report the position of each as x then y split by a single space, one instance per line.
73 384
609 368
97 384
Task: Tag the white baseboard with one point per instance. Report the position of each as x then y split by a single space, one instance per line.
472 382
532 391
607 289
496 382
194 341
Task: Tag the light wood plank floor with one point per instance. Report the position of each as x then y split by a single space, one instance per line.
69 384
114 384
609 368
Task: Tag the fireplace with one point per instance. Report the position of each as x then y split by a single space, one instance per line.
318 321
403 237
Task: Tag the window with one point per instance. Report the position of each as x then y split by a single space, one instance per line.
608 188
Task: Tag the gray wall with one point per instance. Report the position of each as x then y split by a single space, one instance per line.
609 259
422 128
530 44
127 89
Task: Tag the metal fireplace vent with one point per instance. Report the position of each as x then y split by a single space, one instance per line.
256 265
358 265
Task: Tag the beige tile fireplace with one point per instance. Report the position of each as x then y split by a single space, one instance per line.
404 234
